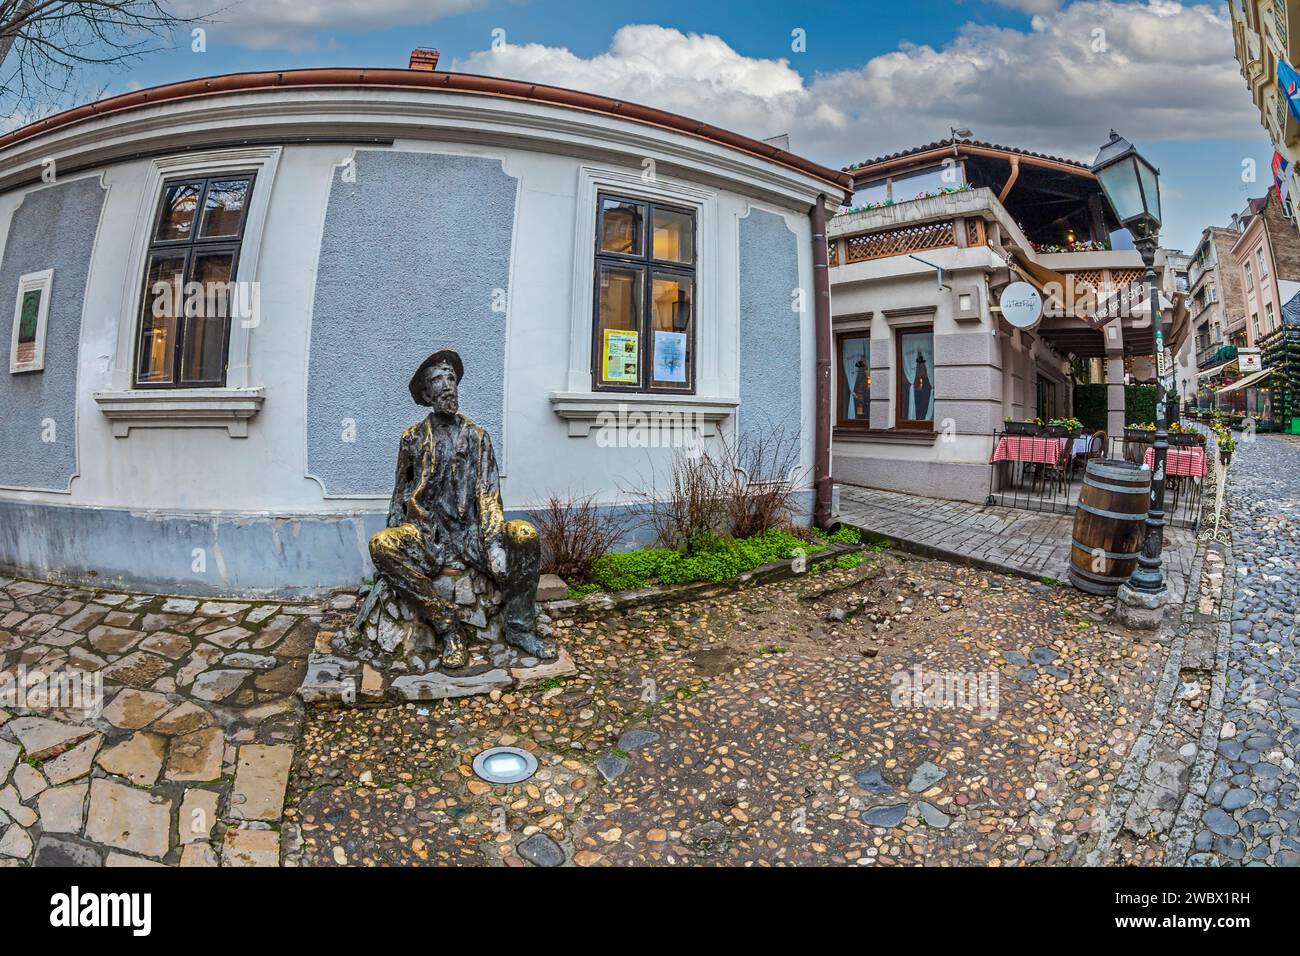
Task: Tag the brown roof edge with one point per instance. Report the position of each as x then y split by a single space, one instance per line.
968 148
421 79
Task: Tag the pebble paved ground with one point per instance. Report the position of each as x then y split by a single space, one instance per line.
768 726
1252 813
183 759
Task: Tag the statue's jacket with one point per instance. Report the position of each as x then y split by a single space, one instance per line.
447 487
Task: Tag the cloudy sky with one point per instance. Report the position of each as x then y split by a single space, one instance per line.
847 81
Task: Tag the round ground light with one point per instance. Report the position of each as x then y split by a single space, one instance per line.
505 765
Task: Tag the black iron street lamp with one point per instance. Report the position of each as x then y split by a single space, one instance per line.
1132 187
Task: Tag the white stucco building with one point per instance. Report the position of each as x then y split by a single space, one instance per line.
363 219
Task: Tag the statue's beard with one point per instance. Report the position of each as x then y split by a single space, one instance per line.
446 404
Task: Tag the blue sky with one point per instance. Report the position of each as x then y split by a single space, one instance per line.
1052 75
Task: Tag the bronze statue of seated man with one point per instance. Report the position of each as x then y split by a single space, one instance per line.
446 520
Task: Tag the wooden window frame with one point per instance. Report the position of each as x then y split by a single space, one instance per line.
647 266
907 424
190 246
840 336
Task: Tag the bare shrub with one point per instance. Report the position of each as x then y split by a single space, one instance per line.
692 505
574 532
762 472
738 488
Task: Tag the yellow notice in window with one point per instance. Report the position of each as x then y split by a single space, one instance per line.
620 355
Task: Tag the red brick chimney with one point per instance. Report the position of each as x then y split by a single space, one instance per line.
426 60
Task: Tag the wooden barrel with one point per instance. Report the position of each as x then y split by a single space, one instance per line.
1109 525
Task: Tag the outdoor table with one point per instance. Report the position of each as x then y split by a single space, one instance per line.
1181 462
1028 448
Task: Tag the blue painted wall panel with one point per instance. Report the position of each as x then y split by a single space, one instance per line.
54 228
415 257
770 360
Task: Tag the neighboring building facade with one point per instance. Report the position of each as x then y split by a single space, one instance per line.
1267 258
588 258
1217 309
926 368
1266 32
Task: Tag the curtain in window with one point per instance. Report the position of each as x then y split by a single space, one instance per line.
918 372
855 350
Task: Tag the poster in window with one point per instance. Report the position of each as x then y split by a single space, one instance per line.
670 356
620 356
31 310
27 321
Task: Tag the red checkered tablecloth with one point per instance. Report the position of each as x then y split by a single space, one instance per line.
1042 451
1181 462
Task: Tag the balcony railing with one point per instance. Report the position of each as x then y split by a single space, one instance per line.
901 241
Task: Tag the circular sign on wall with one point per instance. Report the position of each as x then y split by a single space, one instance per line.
1021 305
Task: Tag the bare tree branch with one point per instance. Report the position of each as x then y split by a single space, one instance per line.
45 44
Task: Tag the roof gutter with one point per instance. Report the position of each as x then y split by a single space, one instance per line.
428 80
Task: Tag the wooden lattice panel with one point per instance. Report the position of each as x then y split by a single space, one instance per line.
974 232
1123 277
833 252
897 242
1094 279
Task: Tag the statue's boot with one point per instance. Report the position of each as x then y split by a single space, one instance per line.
530 643
455 653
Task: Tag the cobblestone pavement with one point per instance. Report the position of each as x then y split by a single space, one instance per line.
906 712
1251 809
181 760
1032 543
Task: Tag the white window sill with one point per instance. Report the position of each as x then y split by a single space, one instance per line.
583 410
228 408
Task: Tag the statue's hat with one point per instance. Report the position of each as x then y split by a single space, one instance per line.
445 355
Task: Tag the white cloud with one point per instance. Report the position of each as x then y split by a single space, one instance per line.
293 24
1163 70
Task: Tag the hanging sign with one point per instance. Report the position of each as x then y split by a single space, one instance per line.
1248 360
1021 305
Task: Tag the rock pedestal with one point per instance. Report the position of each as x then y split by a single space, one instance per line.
390 655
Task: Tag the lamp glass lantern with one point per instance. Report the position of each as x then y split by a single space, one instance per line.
1131 185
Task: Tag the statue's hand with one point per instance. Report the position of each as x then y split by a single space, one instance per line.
497 561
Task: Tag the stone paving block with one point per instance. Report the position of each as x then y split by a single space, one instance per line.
43 738
128 819
116 859
198 815
113 640
137 669
62 809
251 848
196 756
132 709
138 758
29 781
62 852
199 854
260 781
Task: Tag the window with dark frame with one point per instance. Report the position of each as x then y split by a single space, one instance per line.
853 402
643 333
915 393
189 281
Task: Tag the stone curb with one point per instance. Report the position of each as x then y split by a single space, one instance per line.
1183 830
595 605
1130 779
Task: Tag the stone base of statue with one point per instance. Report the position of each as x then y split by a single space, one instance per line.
388 654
